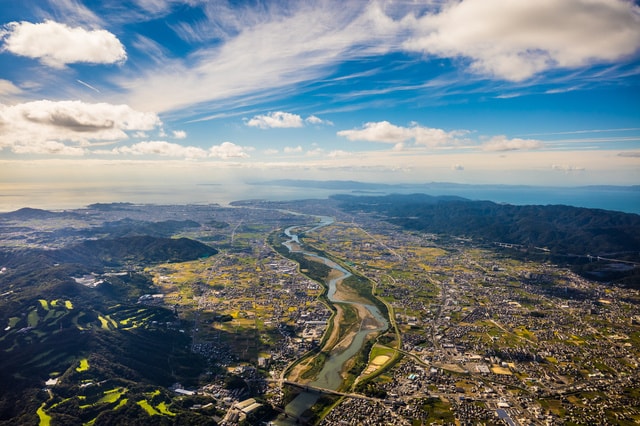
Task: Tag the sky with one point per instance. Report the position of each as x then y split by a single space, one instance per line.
542 92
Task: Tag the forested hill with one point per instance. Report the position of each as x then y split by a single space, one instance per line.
140 249
114 252
559 228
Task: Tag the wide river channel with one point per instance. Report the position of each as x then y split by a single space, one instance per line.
330 375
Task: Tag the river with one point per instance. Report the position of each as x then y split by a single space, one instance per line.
329 376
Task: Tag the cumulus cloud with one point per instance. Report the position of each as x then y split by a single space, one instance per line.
49 148
315 152
292 150
32 126
57 45
312 119
278 119
339 153
385 132
179 134
224 151
161 148
514 40
227 150
502 143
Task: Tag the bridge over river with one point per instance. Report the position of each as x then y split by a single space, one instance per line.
329 377
310 388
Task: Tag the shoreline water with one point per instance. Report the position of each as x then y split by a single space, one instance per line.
76 196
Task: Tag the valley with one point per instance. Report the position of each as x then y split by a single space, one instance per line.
200 315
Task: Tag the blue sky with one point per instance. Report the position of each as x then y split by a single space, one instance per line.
468 91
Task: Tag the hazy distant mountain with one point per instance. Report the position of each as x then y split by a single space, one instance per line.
356 185
30 214
566 232
326 184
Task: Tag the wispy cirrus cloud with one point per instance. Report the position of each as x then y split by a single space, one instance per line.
8 91
286 44
262 51
56 45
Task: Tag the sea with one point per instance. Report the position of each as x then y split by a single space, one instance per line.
73 195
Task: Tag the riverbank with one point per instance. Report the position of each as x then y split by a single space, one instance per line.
357 317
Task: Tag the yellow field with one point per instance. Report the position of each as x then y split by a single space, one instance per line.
45 419
84 365
148 408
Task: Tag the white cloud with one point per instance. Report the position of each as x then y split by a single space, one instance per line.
457 167
31 126
315 152
49 148
278 119
262 50
179 134
281 119
228 150
270 151
312 119
57 45
8 88
502 143
161 148
224 151
514 40
292 150
383 131
74 11
339 153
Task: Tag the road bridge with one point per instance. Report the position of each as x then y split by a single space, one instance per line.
310 388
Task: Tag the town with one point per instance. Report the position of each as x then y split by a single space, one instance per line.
477 334
481 336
